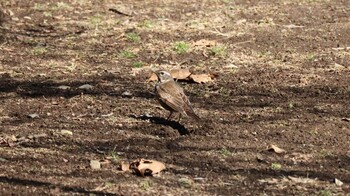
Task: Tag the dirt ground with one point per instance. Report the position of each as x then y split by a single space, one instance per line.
73 88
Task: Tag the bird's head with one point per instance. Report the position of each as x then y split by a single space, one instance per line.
163 76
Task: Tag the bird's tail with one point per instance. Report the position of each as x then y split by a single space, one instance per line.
194 116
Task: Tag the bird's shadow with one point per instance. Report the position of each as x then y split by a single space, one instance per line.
162 121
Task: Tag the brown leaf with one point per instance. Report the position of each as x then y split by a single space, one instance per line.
95 164
301 180
9 140
276 149
124 166
201 78
180 74
147 167
346 119
153 77
203 43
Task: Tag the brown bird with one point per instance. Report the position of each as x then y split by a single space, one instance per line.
172 97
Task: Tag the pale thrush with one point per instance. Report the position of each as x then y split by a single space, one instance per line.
172 97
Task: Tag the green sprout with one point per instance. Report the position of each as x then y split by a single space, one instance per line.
181 47
133 37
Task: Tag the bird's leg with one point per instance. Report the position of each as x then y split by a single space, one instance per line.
171 113
180 116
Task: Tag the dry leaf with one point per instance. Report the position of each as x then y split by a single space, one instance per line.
276 149
180 74
9 140
95 164
203 43
338 182
66 132
124 166
299 157
269 180
201 78
147 167
152 78
346 119
301 180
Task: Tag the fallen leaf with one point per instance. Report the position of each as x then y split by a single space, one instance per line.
66 132
9 140
338 182
301 180
269 180
63 87
180 74
203 43
126 94
153 77
299 157
293 26
201 78
276 149
231 66
86 87
95 164
124 166
147 167
34 115
346 119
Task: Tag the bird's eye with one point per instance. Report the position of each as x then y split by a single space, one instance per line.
161 73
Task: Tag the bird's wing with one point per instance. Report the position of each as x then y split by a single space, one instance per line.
173 96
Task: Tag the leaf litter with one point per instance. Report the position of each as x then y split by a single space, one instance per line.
185 74
143 167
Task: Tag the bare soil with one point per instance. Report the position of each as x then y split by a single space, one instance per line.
282 72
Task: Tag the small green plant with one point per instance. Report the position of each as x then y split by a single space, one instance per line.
146 185
323 153
225 152
185 182
146 24
47 14
265 54
114 155
39 50
62 6
219 50
325 193
127 54
39 6
138 64
181 47
310 56
276 166
95 21
133 37
71 67
291 105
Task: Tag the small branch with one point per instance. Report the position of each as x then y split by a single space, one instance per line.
341 48
118 12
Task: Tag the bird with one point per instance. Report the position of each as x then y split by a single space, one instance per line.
172 97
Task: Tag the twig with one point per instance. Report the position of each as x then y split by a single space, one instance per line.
341 48
118 12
